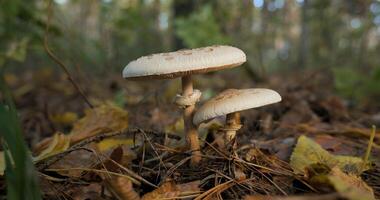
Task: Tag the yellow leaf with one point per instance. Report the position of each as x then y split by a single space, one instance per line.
66 118
104 118
350 186
58 144
110 143
308 152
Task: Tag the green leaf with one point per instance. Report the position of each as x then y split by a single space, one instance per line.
21 179
17 49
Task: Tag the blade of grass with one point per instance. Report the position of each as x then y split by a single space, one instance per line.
21 179
370 143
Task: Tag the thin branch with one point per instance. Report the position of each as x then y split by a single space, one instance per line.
57 60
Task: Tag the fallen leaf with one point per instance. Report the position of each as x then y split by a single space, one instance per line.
308 152
122 188
104 118
301 197
302 113
121 154
91 191
80 160
58 144
66 118
110 143
349 186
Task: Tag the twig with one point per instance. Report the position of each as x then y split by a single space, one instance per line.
133 174
57 60
154 149
133 180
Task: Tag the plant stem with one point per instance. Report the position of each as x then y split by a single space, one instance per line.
370 144
190 129
232 122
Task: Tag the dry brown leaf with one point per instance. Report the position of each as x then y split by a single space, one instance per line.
333 196
59 143
122 188
91 191
76 159
239 173
173 191
104 118
122 155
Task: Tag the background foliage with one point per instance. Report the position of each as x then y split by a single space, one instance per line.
341 37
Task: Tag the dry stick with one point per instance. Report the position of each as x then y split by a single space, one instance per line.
216 150
57 60
154 149
227 177
133 180
58 190
218 188
141 165
133 174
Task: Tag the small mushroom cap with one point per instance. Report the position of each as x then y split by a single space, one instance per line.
233 100
184 62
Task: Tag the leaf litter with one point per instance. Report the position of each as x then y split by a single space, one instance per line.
102 157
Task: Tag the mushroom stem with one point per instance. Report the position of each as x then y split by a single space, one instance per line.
232 125
190 128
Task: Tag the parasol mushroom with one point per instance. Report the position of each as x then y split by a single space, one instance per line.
230 102
184 64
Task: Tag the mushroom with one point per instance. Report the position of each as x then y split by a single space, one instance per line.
184 64
230 102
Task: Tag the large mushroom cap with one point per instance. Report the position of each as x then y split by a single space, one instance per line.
184 62
233 100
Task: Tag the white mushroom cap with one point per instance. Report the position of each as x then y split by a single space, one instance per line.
184 62
233 100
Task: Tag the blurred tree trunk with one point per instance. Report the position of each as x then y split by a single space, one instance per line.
181 8
367 24
303 46
261 43
245 25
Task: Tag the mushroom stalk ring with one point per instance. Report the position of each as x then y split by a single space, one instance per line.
189 100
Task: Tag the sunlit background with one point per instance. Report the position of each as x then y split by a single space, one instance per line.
339 38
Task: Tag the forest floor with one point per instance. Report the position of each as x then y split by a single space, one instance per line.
130 145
